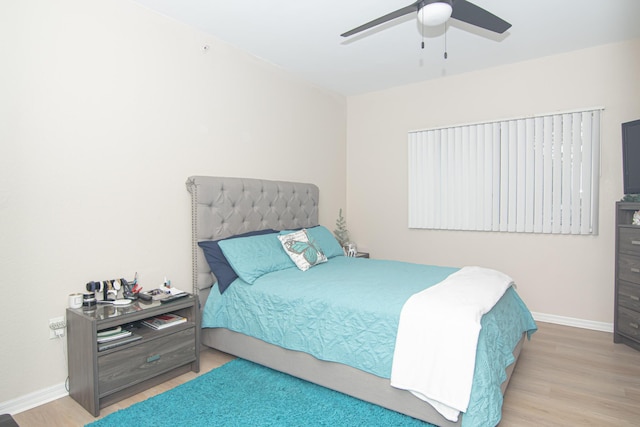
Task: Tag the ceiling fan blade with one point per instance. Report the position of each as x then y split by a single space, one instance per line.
388 17
471 14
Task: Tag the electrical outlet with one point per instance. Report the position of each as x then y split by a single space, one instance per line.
56 327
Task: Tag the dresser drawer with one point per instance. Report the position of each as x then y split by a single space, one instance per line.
135 364
629 295
629 322
629 242
629 268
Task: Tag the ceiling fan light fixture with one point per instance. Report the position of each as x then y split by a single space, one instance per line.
435 14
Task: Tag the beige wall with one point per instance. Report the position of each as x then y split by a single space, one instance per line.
566 276
105 110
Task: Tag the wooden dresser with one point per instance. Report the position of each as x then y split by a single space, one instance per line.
627 297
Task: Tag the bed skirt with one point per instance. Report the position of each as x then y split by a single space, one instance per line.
335 376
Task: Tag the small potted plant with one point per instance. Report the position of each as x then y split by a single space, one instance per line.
342 235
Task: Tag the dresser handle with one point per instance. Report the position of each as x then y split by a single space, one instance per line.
635 242
635 298
157 357
634 325
635 270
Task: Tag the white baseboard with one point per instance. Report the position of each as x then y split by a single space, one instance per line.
31 400
576 323
49 394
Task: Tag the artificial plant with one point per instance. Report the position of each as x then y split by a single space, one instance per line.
341 232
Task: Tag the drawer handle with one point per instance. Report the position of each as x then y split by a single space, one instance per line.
634 325
157 357
635 242
635 298
635 270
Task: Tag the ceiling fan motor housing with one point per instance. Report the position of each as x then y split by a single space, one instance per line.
434 12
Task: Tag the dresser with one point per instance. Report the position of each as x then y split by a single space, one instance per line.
627 296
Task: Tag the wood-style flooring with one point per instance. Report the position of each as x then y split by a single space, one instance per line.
565 377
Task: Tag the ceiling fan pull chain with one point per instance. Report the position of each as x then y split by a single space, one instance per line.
422 27
445 40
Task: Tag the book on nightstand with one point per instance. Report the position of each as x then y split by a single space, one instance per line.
112 334
164 321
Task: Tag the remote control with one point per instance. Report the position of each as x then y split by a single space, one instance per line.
171 298
144 296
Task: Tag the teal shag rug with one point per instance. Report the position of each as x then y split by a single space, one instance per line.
241 393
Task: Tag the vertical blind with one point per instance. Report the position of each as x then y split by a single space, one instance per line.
536 174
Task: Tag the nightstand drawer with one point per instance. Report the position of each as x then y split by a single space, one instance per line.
629 268
135 364
629 322
629 295
629 242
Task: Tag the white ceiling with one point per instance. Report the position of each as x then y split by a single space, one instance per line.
303 36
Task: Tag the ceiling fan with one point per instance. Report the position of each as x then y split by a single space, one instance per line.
436 12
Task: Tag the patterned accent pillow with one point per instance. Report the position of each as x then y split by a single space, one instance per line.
302 250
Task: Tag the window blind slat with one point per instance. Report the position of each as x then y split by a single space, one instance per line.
513 175
585 177
521 180
472 213
547 158
529 175
482 170
557 175
566 174
495 193
458 188
538 174
450 173
414 181
595 171
462 135
576 185
504 176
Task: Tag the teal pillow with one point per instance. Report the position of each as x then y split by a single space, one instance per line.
218 264
323 238
253 257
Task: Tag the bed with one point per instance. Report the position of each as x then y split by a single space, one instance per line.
227 207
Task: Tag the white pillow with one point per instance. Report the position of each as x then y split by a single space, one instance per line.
302 250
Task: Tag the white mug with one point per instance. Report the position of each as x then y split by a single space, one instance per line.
75 300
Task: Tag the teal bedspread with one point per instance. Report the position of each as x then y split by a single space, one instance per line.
347 311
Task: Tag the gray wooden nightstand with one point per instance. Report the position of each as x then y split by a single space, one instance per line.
101 378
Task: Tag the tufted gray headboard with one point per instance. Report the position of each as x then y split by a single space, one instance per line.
223 207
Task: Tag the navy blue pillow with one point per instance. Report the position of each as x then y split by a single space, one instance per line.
218 262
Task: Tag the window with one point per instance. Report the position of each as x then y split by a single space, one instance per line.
536 174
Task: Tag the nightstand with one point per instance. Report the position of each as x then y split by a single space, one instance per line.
101 378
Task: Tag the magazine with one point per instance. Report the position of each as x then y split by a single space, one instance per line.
164 321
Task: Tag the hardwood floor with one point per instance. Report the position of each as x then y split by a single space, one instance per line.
574 377
565 377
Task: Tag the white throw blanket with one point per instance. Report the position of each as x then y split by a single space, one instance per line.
435 351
